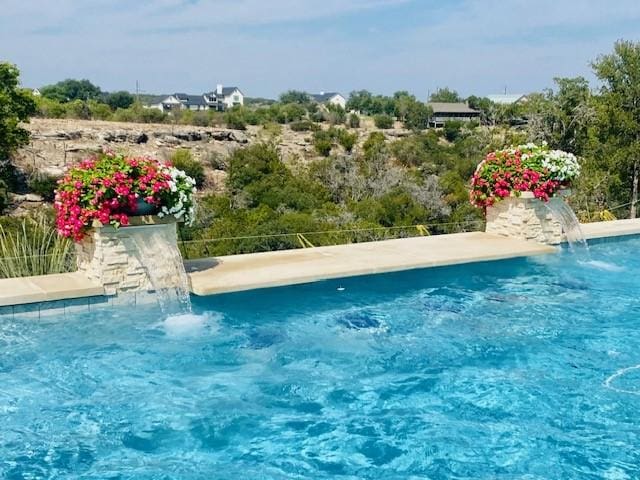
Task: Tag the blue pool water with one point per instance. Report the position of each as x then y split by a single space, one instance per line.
524 369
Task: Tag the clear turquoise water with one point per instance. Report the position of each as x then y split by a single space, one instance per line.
495 370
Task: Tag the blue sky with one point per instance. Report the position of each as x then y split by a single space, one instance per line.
268 46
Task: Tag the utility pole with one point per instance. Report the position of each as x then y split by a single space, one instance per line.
137 92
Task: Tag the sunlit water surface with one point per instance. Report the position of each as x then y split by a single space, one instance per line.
518 369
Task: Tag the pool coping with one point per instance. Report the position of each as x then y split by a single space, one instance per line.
236 273
287 267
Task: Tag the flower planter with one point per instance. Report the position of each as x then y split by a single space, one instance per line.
109 256
515 187
525 217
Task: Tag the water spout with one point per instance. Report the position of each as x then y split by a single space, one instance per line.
564 214
165 269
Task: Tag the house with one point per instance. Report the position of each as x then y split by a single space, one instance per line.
329 98
220 99
35 92
445 112
508 98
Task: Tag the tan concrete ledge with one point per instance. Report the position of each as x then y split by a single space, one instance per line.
60 286
270 269
615 228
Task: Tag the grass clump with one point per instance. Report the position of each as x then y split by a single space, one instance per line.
31 246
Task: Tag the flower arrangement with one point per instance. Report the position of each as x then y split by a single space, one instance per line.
110 188
514 170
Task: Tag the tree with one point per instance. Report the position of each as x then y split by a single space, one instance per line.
559 118
619 107
417 116
402 101
16 105
445 95
295 96
121 99
70 89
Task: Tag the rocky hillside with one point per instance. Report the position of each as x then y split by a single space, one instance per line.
57 143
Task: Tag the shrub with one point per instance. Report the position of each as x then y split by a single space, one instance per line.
335 114
354 121
452 130
374 145
317 117
323 142
346 139
31 246
304 126
383 121
234 119
44 185
271 131
4 196
183 160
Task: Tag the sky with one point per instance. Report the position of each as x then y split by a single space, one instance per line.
265 47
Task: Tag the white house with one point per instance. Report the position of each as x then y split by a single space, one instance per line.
220 99
508 98
35 92
329 98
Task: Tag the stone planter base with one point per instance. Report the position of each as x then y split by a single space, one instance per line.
525 217
110 257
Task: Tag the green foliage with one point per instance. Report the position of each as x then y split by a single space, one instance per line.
4 196
290 112
294 96
137 113
346 139
445 95
183 160
452 130
323 142
335 114
16 106
304 126
383 121
364 102
234 118
120 99
417 115
70 90
354 121
374 146
44 185
31 246
50 108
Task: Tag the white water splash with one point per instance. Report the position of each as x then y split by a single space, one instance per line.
186 324
608 382
601 265
165 268
564 214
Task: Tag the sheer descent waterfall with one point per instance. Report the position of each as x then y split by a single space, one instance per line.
163 263
564 214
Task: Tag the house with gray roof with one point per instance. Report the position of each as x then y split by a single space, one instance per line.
445 112
220 99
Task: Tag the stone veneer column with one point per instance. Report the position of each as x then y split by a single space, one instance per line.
524 217
109 256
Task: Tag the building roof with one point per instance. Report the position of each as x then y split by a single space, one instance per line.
323 96
443 107
196 100
226 91
507 99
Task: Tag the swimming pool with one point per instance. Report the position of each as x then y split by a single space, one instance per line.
511 369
